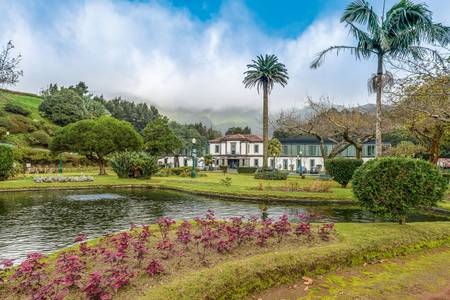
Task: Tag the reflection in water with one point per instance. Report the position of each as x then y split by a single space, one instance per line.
49 220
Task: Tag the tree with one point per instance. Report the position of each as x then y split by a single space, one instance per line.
398 33
318 125
264 73
63 107
137 114
422 106
67 105
406 149
159 138
238 130
97 138
6 162
9 74
274 148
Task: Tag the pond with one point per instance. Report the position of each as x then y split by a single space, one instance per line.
49 220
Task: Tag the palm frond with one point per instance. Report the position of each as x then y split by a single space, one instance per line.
355 51
265 70
361 12
386 80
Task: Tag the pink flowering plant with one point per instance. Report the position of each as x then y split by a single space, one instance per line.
103 268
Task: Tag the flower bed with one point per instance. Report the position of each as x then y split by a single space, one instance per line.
102 269
51 179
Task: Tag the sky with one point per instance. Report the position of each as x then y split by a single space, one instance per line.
188 56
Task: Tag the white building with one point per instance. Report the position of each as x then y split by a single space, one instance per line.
237 150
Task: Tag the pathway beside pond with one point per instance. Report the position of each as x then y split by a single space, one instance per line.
424 275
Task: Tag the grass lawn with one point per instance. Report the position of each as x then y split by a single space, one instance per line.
241 185
418 276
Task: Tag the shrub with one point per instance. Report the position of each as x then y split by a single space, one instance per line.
134 164
319 186
342 169
82 178
224 169
6 162
3 132
39 138
17 109
247 170
269 174
226 181
20 124
392 186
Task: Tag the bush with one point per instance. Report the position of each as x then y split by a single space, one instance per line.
3 132
271 174
17 109
6 162
134 164
39 138
342 169
392 186
20 124
247 170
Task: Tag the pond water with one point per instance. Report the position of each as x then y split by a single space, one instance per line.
49 220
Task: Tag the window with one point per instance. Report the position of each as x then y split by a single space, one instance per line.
313 150
285 149
370 150
233 148
256 149
285 164
299 149
217 149
185 162
256 162
272 163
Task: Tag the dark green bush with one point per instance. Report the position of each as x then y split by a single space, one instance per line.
392 186
247 170
39 138
342 169
6 162
3 132
271 174
134 164
17 109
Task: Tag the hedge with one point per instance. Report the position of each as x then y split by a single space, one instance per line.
341 169
247 170
271 174
16 109
393 186
6 162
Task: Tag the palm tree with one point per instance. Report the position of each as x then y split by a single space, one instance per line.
263 73
397 34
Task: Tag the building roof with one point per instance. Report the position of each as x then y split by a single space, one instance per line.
312 140
239 137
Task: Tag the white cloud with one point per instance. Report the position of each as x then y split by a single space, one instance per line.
164 56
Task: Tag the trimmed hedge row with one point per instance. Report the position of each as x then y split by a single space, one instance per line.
6 162
271 174
247 170
239 279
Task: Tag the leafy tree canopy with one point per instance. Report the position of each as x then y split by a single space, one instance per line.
238 130
139 114
67 105
97 138
159 138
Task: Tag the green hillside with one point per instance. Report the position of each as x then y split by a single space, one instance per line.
24 130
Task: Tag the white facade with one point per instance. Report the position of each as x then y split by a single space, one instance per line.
184 161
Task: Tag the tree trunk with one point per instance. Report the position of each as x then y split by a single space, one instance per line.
101 164
358 149
402 220
265 124
379 88
176 161
435 150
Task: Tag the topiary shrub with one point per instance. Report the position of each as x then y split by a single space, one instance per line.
17 109
6 162
134 164
342 169
393 186
271 174
247 170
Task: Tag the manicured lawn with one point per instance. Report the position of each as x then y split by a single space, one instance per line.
418 276
241 185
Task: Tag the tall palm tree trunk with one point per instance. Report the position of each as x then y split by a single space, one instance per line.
379 86
265 124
